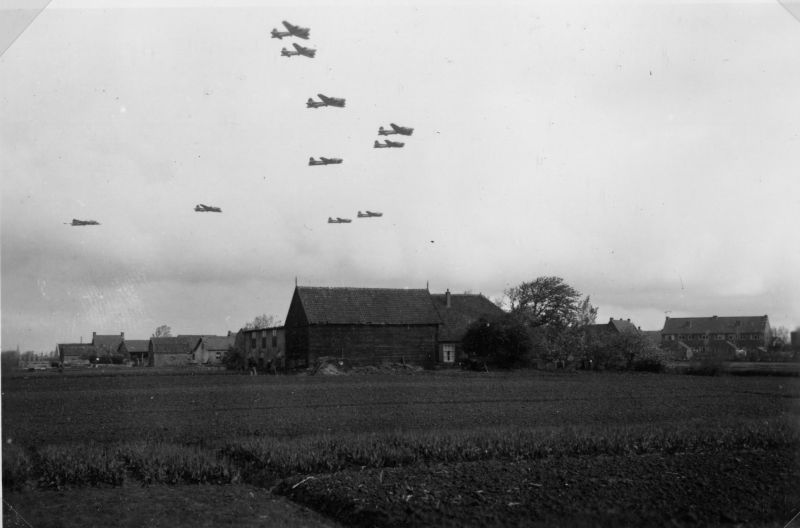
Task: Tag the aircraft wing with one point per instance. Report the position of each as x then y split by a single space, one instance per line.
298 47
290 27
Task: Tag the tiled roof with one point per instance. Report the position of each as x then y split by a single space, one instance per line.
170 345
217 342
136 345
464 310
190 340
624 326
107 342
715 325
76 349
367 306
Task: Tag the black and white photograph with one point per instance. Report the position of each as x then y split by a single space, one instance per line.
394 263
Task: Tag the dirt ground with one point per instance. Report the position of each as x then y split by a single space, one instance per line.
134 506
749 489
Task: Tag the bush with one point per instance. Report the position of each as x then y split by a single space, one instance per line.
500 341
648 365
706 367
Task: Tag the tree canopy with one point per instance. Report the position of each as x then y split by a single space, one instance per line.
163 331
546 301
262 321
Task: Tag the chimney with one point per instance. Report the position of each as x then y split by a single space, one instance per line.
447 297
122 335
94 335
629 320
610 320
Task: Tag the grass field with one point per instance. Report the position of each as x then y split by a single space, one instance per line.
376 432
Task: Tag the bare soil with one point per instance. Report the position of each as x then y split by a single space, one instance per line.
755 488
134 506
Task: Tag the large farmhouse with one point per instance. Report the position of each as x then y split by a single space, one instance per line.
361 325
721 337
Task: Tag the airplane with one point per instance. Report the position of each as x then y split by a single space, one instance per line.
325 101
389 144
369 214
396 129
292 31
200 208
324 161
76 222
338 220
300 50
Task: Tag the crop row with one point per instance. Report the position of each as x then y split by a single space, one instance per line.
266 460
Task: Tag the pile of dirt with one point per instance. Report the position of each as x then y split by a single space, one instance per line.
333 366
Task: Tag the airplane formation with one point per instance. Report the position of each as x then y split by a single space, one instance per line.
324 101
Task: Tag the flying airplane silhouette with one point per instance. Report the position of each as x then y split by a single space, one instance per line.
200 208
325 101
396 129
388 144
291 31
76 222
338 220
299 50
369 214
324 161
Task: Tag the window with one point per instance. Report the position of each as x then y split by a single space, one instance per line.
274 339
448 353
252 341
263 342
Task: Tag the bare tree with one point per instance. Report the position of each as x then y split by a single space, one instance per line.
163 331
262 321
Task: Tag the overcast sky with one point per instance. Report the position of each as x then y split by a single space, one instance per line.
648 153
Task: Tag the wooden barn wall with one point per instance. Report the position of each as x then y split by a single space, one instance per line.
372 345
297 346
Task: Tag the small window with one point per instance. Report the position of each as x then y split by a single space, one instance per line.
263 342
448 353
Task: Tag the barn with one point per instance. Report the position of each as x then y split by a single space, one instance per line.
365 326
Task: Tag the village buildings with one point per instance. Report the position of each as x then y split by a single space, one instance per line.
370 326
720 337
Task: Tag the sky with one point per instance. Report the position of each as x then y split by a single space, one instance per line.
646 152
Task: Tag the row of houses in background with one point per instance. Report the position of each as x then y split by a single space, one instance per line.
182 350
361 325
378 325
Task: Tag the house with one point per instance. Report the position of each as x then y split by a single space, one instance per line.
264 345
724 338
75 353
361 325
135 350
210 350
107 345
614 327
457 312
172 351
